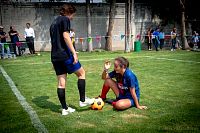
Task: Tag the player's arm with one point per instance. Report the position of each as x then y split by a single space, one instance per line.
70 45
13 34
132 90
105 74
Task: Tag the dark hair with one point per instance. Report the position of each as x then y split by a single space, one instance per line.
11 27
28 24
123 62
67 9
174 29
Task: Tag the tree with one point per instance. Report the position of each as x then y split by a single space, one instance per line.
132 20
108 45
88 26
183 35
127 25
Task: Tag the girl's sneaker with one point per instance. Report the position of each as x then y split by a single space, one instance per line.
87 102
67 111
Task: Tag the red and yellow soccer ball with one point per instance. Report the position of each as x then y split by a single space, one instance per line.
98 104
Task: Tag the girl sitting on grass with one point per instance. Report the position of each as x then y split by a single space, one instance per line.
125 86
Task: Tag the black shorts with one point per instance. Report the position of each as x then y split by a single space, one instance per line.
67 66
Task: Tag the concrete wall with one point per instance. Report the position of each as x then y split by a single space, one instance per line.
41 17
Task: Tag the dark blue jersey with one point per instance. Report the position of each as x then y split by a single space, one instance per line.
126 82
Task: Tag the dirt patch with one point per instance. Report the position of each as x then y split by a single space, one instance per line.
128 116
85 124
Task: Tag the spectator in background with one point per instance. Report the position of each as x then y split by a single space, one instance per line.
155 38
14 37
2 40
30 35
195 40
149 38
161 38
173 39
3 44
72 36
198 44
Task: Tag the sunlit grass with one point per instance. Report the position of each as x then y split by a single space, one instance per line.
170 89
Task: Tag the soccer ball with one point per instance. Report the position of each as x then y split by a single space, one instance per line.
98 104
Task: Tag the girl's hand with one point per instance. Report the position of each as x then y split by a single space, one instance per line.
142 107
107 65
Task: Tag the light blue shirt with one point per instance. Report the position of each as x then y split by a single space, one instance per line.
161 35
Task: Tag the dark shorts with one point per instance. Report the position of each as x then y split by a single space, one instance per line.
121 96
67 66
127 97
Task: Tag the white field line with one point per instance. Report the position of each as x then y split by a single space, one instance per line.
151 57
169 59
102 59
32 114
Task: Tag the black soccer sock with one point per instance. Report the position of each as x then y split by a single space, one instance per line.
61 96
81 88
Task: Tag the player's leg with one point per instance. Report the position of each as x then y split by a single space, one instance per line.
84 101
161 43
8 52
123 104
80 73
14 48
60 70
32 46
61 94
109 83
172 45
61 90
28 44
148 45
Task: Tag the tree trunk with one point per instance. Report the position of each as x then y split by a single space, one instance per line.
183 36
108 45
132 26
127 25
89 41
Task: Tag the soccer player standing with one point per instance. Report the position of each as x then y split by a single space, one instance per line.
125 86
64 57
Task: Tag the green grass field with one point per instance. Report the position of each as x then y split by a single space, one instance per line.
169 84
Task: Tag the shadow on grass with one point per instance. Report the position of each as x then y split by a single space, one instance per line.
42 102
80 109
